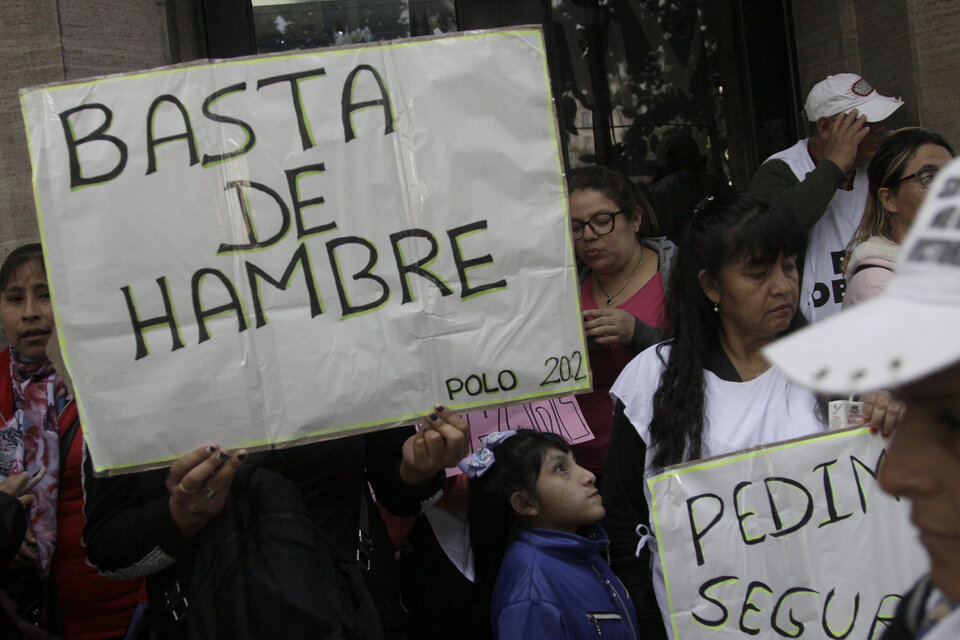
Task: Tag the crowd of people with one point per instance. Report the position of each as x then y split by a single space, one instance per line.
696 349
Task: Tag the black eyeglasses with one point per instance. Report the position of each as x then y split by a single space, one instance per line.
600 223
925 176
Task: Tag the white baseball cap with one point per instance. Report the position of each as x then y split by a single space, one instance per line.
910 330
846 91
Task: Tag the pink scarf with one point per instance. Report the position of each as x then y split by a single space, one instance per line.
29 440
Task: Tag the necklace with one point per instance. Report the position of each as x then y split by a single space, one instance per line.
629 280
754 373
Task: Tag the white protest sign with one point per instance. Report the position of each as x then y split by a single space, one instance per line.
795 540
286 248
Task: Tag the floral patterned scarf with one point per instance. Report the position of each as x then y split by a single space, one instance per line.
29 440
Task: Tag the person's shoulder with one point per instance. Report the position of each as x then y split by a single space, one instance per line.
653 357
875 250
642 371
870 281
774 169
782 166
869 269
663 245
517 577
798 149
521 551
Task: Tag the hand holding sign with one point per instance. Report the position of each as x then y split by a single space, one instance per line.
198 484
882 411
442 441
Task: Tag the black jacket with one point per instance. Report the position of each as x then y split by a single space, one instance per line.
13 524
130 532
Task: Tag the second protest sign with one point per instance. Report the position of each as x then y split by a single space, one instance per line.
794 540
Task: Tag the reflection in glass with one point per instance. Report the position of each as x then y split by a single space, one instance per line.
283 25
638 89
648 69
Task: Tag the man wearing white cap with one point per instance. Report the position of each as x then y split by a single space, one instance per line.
823 180
908 339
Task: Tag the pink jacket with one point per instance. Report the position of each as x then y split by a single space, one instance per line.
870 268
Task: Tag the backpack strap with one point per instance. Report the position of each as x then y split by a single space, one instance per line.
6 386
916 603
66 437
364 540
861 267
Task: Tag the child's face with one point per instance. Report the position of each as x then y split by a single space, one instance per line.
565 497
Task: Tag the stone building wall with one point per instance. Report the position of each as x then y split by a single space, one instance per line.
935 33
906 48
43 41
30 53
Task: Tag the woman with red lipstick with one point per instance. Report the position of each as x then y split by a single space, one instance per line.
708 390
36 406
622 294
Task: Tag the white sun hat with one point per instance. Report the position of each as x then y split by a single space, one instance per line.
846 91
910 330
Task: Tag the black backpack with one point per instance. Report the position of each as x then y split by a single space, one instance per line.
264 570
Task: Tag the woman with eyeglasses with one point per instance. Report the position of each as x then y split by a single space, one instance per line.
905 165
622 295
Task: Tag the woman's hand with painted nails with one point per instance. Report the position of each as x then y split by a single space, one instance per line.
198 484
442 441
881 411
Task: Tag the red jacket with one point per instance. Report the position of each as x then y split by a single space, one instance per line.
93 607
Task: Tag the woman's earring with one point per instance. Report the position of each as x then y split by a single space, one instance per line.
716 307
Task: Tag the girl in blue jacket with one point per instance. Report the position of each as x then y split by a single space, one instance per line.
536 545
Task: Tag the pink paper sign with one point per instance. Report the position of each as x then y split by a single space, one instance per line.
555 415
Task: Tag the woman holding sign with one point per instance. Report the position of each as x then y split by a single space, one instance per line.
708 390
622 295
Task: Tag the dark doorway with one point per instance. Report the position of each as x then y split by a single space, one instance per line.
633 80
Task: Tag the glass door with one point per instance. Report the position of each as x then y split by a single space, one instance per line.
281 25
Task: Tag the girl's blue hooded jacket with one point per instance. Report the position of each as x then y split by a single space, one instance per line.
557 585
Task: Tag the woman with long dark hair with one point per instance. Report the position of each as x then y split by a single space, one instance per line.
708 390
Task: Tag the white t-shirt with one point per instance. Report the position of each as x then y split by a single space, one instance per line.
823 283
739 415
946 629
